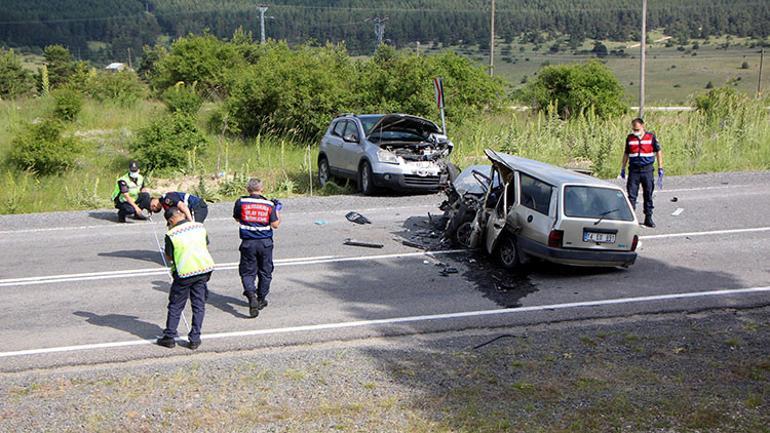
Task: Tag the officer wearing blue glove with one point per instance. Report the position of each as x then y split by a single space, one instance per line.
641 150
257 218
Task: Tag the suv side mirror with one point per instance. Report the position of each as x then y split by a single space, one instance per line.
351 138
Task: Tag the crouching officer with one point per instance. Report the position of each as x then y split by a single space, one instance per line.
258 217
642 148
130 195
191 264
194 207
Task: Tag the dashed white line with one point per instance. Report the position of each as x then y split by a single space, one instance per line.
395 320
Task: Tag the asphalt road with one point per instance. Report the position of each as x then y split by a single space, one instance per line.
78 288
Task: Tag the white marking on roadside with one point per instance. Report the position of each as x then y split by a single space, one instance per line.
710 233
26 281
677 212
289 215
407 319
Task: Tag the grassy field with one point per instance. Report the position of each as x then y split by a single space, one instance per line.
673 76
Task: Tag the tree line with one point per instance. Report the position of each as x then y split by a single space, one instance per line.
104 30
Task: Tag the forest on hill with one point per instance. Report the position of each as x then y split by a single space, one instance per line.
103 30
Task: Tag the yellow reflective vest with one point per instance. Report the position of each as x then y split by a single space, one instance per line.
134 187
191 253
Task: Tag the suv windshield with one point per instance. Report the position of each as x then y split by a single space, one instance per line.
593 202
368 122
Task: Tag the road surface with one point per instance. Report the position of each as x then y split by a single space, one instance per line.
78 288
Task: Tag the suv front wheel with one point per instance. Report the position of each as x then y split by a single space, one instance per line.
508 252
324 173
366 179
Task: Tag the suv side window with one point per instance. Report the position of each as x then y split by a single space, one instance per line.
350 129
535 194
339 128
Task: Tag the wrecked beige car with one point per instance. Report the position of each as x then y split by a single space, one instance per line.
518 209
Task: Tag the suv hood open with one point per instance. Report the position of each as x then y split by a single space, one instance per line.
404 122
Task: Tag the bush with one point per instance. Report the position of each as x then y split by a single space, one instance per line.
204 60
42 149
577 88
167 141
721 103
60 65
124 87
745 65
15 81
183 99
68 104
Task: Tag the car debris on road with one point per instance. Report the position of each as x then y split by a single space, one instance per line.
357 218
356 243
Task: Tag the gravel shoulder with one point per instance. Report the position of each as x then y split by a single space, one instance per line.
706 371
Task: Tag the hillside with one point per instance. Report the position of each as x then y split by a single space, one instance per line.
104 29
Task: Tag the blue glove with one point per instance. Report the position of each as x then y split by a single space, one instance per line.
623 173
278 204
660 178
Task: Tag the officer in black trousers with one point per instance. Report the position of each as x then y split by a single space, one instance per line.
191 263
641 150
257 218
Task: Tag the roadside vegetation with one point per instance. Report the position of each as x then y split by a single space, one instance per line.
207 113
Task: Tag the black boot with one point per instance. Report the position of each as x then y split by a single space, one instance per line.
253 305
649 222
166 341
261 303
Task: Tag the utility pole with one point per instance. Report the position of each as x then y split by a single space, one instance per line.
492 41
130 63
379 29
761 62
262 9
643 59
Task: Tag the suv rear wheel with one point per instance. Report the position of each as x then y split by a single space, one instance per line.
324 173
366 179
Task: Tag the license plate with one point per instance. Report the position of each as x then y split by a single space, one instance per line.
422 164
600 238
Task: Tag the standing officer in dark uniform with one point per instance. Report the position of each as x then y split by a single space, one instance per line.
191 264
642 148
258 217
194 207
130 195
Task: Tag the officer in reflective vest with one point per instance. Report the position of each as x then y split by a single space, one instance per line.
257 217
194 207
130 195
191 265
642 148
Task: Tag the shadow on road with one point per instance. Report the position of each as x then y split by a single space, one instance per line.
111 216
122 322
152 256
224 303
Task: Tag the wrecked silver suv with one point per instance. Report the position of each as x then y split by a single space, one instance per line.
394 151
518 209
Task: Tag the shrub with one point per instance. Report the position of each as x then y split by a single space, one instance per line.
576 88
15 81
68 104
42 148
167 141
745 65
721 103
183 99
204 60
124 87
59 63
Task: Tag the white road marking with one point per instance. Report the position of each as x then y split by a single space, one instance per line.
27 281
407 319
136 225
677 212
710 233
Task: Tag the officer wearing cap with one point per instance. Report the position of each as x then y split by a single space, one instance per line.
257 218
191 264
130 195
194 207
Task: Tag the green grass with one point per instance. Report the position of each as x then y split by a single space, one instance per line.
692 144
673 76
